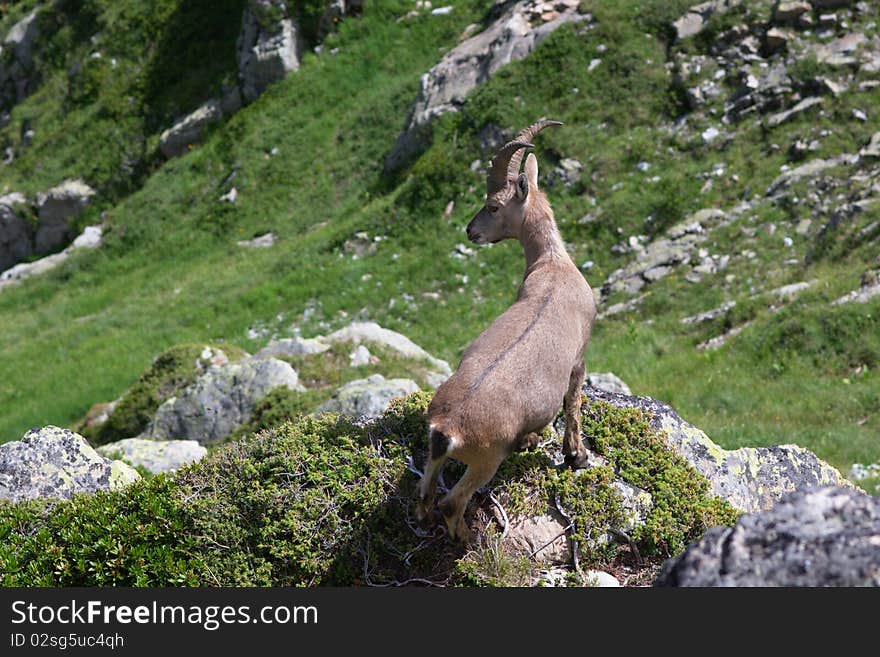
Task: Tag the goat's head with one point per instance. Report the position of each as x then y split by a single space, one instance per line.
507 190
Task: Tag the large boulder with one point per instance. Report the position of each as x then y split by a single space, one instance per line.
57 463
445 87
826 536
269 46
16 232
367 398
17 76
750 478
220 400
57 209
155 455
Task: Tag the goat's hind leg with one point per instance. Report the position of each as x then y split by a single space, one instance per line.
433 468
453 505
572 448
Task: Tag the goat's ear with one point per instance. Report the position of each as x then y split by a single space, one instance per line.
522 187
532 170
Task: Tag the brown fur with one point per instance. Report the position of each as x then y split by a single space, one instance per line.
530 361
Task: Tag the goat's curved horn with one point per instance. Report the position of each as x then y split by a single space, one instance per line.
527 134
496 180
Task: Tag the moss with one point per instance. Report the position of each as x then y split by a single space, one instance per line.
169 373
683 506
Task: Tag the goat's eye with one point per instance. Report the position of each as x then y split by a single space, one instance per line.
493 209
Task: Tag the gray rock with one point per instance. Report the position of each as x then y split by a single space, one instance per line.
696 18
367 398
360 356
262 242
781 117
57 209
862 295
269 46
810 169
445 87
16 232
660 257
720 340
17 75
776 40
220 400
293 347
370 332
155 455
541 537
749 478
57 463
608 382
600 579
89 238
190 130
709 314
789 292
791 13
872 150
826 536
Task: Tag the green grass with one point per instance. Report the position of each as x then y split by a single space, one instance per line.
170 271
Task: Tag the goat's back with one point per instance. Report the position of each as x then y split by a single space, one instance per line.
513 377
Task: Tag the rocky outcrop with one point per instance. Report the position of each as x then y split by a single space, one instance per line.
659 257
57 210
609 382
827 536
269 46
445 87
749 478
367 398
155 455
17 75
180 137
89 239
220 400
57 463
16 231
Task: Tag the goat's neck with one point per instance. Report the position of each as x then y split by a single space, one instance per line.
540 237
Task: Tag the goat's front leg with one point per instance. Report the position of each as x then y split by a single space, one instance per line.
433 468
572 448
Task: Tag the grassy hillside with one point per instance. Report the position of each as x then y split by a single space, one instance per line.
306 161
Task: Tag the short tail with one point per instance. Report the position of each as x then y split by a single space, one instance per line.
441 442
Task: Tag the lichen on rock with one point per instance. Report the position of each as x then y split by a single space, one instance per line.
57 463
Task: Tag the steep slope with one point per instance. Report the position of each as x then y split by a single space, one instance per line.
649 141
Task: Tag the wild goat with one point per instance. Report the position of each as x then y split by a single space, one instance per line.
530 361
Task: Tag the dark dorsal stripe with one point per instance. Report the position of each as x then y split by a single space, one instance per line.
489 368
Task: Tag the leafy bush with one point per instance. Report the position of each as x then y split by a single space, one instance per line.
322 501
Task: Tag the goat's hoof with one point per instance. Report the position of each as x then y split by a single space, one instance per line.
424 512
577 461
462 534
